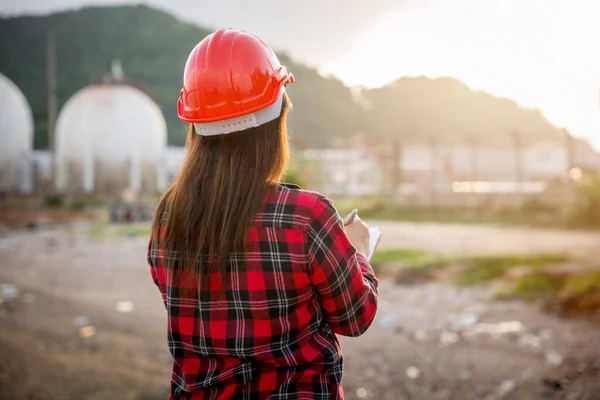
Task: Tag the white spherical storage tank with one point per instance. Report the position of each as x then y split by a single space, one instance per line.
110 137
16 139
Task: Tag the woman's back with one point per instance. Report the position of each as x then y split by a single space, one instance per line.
270 330
257 277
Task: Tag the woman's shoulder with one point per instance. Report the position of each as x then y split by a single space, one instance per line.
293 205
287 192
301 207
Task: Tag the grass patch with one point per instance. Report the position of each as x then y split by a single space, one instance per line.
533 286
581 284
412 259
478 269
98 230
409 256
553 287
486 268
135 230
70 232
101 231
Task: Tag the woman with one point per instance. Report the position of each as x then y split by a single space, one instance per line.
257 277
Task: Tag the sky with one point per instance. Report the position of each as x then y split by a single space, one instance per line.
541 53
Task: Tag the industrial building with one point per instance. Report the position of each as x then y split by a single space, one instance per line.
424 173
110 136
16 139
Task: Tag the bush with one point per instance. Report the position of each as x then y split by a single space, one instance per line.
586 211
78 205
535 205
531 287
53 201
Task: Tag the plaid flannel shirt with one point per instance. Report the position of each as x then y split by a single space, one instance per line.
272 332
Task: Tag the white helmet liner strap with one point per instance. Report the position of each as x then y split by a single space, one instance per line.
244 122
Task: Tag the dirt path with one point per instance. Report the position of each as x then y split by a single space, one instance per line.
428 342
486 239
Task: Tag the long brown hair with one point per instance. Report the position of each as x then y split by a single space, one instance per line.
206 213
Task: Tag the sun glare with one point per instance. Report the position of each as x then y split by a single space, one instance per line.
540 54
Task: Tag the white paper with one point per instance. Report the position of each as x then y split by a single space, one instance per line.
375 235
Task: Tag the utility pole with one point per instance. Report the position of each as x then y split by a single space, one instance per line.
396 169
518 165
52 102
570 187
51 79
433 172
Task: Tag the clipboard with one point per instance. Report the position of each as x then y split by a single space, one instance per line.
374 238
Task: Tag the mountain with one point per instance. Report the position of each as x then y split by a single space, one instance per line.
153 47
447 111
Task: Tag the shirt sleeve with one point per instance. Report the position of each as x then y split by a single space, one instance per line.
345 281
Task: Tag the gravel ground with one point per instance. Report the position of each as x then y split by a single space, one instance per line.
84 321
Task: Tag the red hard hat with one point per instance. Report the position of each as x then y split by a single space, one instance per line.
230 74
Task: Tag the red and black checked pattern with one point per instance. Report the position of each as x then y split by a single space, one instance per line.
270 332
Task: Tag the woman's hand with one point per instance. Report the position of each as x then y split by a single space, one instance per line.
358 233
